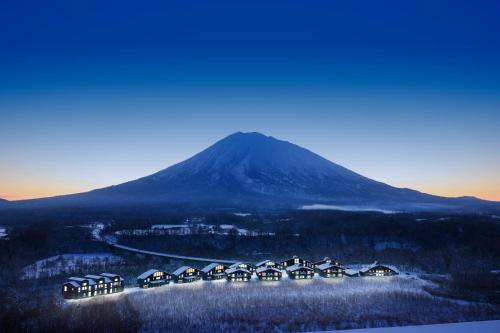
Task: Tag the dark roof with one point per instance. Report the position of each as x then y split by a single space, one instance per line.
73 283
376 264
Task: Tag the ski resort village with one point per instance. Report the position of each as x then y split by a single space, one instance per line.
295 268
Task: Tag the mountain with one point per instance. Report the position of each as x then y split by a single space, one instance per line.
254 170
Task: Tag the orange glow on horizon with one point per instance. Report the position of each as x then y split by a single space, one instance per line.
491 192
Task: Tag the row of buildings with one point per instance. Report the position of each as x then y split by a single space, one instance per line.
296 268
92 285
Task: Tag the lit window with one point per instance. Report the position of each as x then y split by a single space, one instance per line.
65 288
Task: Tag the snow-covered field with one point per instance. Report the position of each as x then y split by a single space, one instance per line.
288 306
489 326
347 208
68 264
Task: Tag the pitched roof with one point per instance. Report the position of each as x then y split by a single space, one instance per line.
181 270
267 268
209 267
78 279
148 273
327 265
236 269
238 264
110 275
325 259
74 284
94 277
263 262
296 267
376 264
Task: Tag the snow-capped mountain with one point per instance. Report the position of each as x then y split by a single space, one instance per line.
254 170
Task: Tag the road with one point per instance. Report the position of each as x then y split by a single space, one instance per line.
111 242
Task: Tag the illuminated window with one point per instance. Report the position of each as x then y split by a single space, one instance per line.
65 288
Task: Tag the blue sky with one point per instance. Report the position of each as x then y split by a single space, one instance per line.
95 94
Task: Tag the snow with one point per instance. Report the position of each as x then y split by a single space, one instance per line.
68 263
3 232
169 226
379 246
97 229
490 326
192 229
347 208
242 214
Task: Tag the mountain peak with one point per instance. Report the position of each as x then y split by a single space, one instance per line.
248 136
253 169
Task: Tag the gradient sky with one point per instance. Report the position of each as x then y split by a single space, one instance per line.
94 94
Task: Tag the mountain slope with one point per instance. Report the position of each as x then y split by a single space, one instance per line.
250 169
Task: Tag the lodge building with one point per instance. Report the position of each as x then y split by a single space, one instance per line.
100 283
268 263
92 285
377 269
244 266
268 273
297 272
153 278
325 260
186 274
214 271
237 274
328 270
295 261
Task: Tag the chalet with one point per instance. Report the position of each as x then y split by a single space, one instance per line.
186 274
86 286
377 269
325 260
241 265
268 263
100 284
92 285
295 261
237 274
214 271
114 282
300 272
268 273
153 278
72 290
330 269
